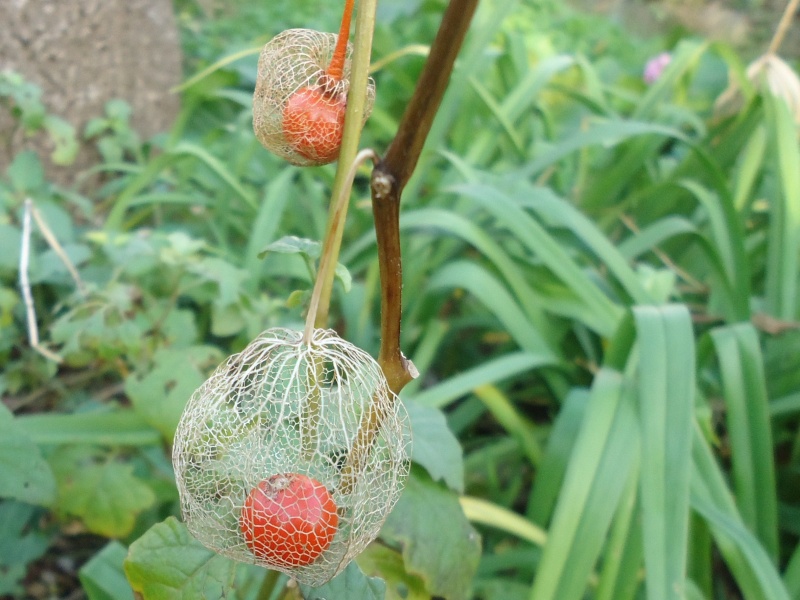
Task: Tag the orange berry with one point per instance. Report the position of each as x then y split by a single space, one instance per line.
313 122
289 520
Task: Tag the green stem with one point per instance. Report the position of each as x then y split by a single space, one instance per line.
354 118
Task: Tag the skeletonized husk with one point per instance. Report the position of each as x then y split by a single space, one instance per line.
293 60
282 406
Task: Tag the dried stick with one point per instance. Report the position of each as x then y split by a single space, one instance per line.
25 285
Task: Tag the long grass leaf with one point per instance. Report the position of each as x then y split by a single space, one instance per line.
666 397
600 465
268 219
491 371
747 414
619 578
560 443
598 311
512 420
749 563
783 264
560 213
484 512
481 284
458 225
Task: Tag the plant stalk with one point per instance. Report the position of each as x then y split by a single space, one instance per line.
783 26
342 184
391 175
388 180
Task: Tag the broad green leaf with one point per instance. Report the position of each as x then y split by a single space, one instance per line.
103 578
747 417
26 172
10 244
160 395
167 563
437 541
103 493
379 561
666 399
21 542
24 474
435 446
310 250
350 583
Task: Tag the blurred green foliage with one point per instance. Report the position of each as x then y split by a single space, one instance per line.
601 294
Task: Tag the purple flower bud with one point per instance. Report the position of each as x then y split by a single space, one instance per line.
655 66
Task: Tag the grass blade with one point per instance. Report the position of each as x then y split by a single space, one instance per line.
783 255
491 371
744 391
666 398
600 464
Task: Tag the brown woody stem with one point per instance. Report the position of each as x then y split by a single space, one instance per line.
388 180
391 175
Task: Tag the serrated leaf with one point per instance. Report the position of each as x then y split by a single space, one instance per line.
160 395
103 578
438 542
167 563
104 494
383 562
311 249
351 584
24 474
435 446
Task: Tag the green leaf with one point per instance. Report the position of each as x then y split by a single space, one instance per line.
103 577
26 172
167 563
749 563
20 543
438 542
24 474
490 371
118 427
351 584
383 562
747 417
435 446
160 395
310 250
601 463
103 493
783 246
666 385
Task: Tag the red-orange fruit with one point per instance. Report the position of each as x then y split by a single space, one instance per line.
313 122
289 520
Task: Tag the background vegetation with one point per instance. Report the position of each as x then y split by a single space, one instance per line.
601 294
